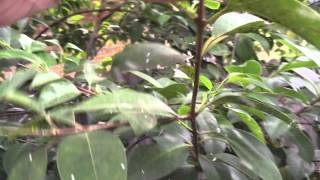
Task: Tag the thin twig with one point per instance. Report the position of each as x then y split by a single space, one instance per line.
13 113
95 33
200 41
67 131
63 19
136 142
55 131
86 91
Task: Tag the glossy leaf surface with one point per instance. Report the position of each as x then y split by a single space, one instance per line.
95 155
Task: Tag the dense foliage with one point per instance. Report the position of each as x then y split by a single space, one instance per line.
203 90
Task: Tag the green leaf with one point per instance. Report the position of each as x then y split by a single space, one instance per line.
235 22
173 90
250 67
251 123
44 78
16 81
225 166
306 148
20 54
211 170
187 172
248 153
58 92
125 100
299 18
245 80
298 94
236 163
296 64
212 4
154 161
144 56
278 129
73 47
90 73
31 165
242 99
244 48
75 19
12 154
163 19
309 52
260 39
139 122
63 115
148 78
220 49
23 100
95 156
231 23
206 82
207 122
30 45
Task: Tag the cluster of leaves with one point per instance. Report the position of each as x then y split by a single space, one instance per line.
256 111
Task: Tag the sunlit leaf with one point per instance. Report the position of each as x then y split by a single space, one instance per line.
245 80
206 82
250 67
299 18
230 23
212 4
251 123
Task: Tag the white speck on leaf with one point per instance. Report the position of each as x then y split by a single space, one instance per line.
148 57
123 167
218 130
214 159
142 171
72 177
30 157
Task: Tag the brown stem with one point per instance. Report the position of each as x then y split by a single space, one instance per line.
63 19
74 130
87 91
200 40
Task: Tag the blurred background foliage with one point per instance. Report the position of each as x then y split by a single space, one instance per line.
258 106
